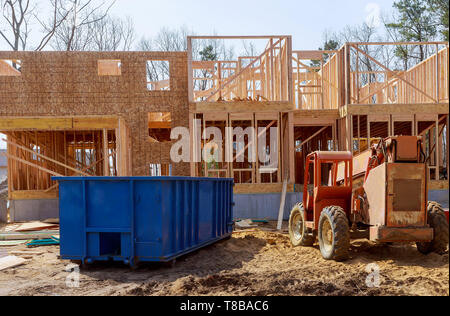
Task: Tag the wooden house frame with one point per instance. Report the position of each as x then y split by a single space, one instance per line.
98 114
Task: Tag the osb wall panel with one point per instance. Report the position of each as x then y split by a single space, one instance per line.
68 84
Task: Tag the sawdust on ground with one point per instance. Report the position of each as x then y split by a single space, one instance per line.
250 263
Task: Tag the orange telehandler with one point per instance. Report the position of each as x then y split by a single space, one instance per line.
383 191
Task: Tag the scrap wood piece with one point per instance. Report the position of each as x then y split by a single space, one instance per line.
11 262
282 204
51 221
26 253
10 243
45 157
35 226
311 137
246 231
32 164
247 223
28 235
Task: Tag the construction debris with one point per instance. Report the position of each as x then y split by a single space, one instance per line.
11 262
10 243
52 241
26 253
35 226
6 236
246 223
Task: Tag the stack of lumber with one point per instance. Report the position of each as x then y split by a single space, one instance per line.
17 234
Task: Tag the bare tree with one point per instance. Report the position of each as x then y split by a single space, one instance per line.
249 49
128 33
20 15
73 34
17 15
167 40
363 33
111 34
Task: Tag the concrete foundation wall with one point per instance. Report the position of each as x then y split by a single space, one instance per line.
33 210
3 211
255 206
266 206
440 196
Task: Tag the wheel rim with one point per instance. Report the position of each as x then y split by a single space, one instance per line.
327 235
297 227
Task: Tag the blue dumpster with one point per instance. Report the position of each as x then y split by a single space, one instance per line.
141 219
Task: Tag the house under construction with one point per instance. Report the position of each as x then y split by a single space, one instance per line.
103 114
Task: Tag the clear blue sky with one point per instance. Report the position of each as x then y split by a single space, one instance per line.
305 20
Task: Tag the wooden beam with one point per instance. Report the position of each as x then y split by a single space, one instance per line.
105 153
222 86
434 185
84 169
261 188
21 123
32 165
393 73
100 122
432 126
33 195
368 109
241 107
311 137
77 171
239 37
57 123
251 143
160 125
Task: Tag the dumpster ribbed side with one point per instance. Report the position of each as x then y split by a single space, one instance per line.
142 218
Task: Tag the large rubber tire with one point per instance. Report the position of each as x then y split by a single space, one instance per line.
334 234
298 232
438 221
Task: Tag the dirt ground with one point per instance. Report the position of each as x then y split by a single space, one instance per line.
251 263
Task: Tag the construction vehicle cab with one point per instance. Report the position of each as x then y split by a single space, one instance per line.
385 194
321 188
326 203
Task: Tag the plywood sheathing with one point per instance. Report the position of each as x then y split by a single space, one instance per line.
68 84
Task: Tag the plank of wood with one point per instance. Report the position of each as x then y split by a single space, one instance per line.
11 243
26 253
100 122
22 123
232 78
395 74
32 165
282 204
310 138
251 143
35 226
33 195
105 153
77 171
260 188
10 262
28 236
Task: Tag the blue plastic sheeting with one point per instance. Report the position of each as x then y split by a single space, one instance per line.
149 219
